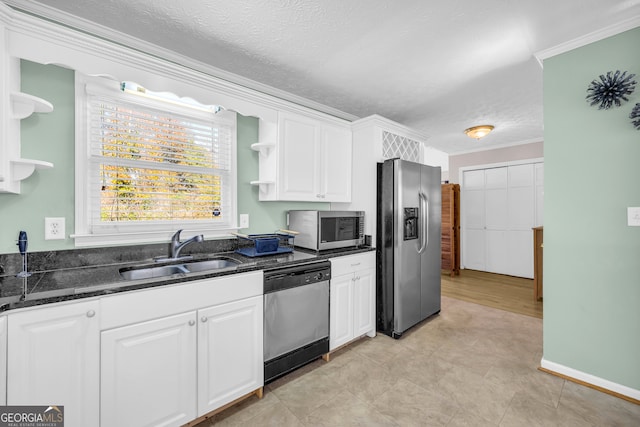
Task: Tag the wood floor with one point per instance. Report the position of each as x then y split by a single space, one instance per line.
509 293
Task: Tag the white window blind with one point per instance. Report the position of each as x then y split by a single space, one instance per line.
153 162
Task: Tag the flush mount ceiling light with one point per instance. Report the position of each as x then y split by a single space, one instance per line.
478 132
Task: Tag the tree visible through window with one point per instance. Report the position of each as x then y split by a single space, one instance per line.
148 167
156 162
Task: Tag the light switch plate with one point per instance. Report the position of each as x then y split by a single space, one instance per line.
244 220
633 217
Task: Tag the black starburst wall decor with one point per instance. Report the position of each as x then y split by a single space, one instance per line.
611 89
635 116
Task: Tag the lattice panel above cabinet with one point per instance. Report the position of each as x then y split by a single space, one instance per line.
396 146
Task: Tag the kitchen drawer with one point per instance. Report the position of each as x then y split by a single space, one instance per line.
138 306
350 263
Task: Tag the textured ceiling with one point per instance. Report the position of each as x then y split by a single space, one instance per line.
436 66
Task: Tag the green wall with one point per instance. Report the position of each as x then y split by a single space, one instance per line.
50 192
592 258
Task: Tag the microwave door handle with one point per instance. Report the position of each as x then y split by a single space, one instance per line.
424 237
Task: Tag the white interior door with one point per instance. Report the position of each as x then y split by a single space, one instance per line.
521 220
520 253
499 207
521 197
496 219
496 199
497 258
539 184
473 219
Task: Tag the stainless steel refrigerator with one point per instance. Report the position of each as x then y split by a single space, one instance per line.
408 244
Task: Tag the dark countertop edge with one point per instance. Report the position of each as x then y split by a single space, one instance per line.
248 264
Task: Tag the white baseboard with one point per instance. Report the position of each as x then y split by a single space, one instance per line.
590 379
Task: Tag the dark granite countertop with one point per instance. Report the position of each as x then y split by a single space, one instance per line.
66 275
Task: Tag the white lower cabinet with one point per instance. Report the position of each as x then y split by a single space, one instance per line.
173 369
364 302
353 298
229 344
341 310
148 373
53 359
169 371
3 360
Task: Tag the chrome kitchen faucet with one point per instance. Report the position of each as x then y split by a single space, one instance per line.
176 246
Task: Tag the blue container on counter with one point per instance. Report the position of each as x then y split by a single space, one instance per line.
267 245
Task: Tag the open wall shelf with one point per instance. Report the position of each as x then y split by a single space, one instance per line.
263 147
23 105
13 168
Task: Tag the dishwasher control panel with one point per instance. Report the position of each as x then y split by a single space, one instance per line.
297 275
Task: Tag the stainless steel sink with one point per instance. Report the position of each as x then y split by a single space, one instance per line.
151 272
211 264
196 266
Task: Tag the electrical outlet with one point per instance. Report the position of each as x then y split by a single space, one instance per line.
54 228
633 217
244 220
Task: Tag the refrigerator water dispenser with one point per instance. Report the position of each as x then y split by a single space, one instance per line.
410 223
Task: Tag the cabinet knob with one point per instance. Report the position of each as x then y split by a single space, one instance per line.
192 322
203 319
91 313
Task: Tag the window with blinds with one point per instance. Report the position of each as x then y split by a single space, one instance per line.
155 161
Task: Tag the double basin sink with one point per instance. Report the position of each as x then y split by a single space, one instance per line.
186 267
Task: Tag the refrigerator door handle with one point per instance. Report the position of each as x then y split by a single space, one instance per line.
424 232
426 220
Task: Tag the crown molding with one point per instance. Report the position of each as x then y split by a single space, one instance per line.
593 37
6 13
94 29
388 125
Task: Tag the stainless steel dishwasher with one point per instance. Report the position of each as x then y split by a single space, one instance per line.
296 316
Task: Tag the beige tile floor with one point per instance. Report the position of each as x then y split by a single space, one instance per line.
469 366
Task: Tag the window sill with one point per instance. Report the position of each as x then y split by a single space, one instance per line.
116 239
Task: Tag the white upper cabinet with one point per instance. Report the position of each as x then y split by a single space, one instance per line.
304 158
335 164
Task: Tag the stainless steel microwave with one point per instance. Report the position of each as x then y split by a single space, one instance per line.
321 230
